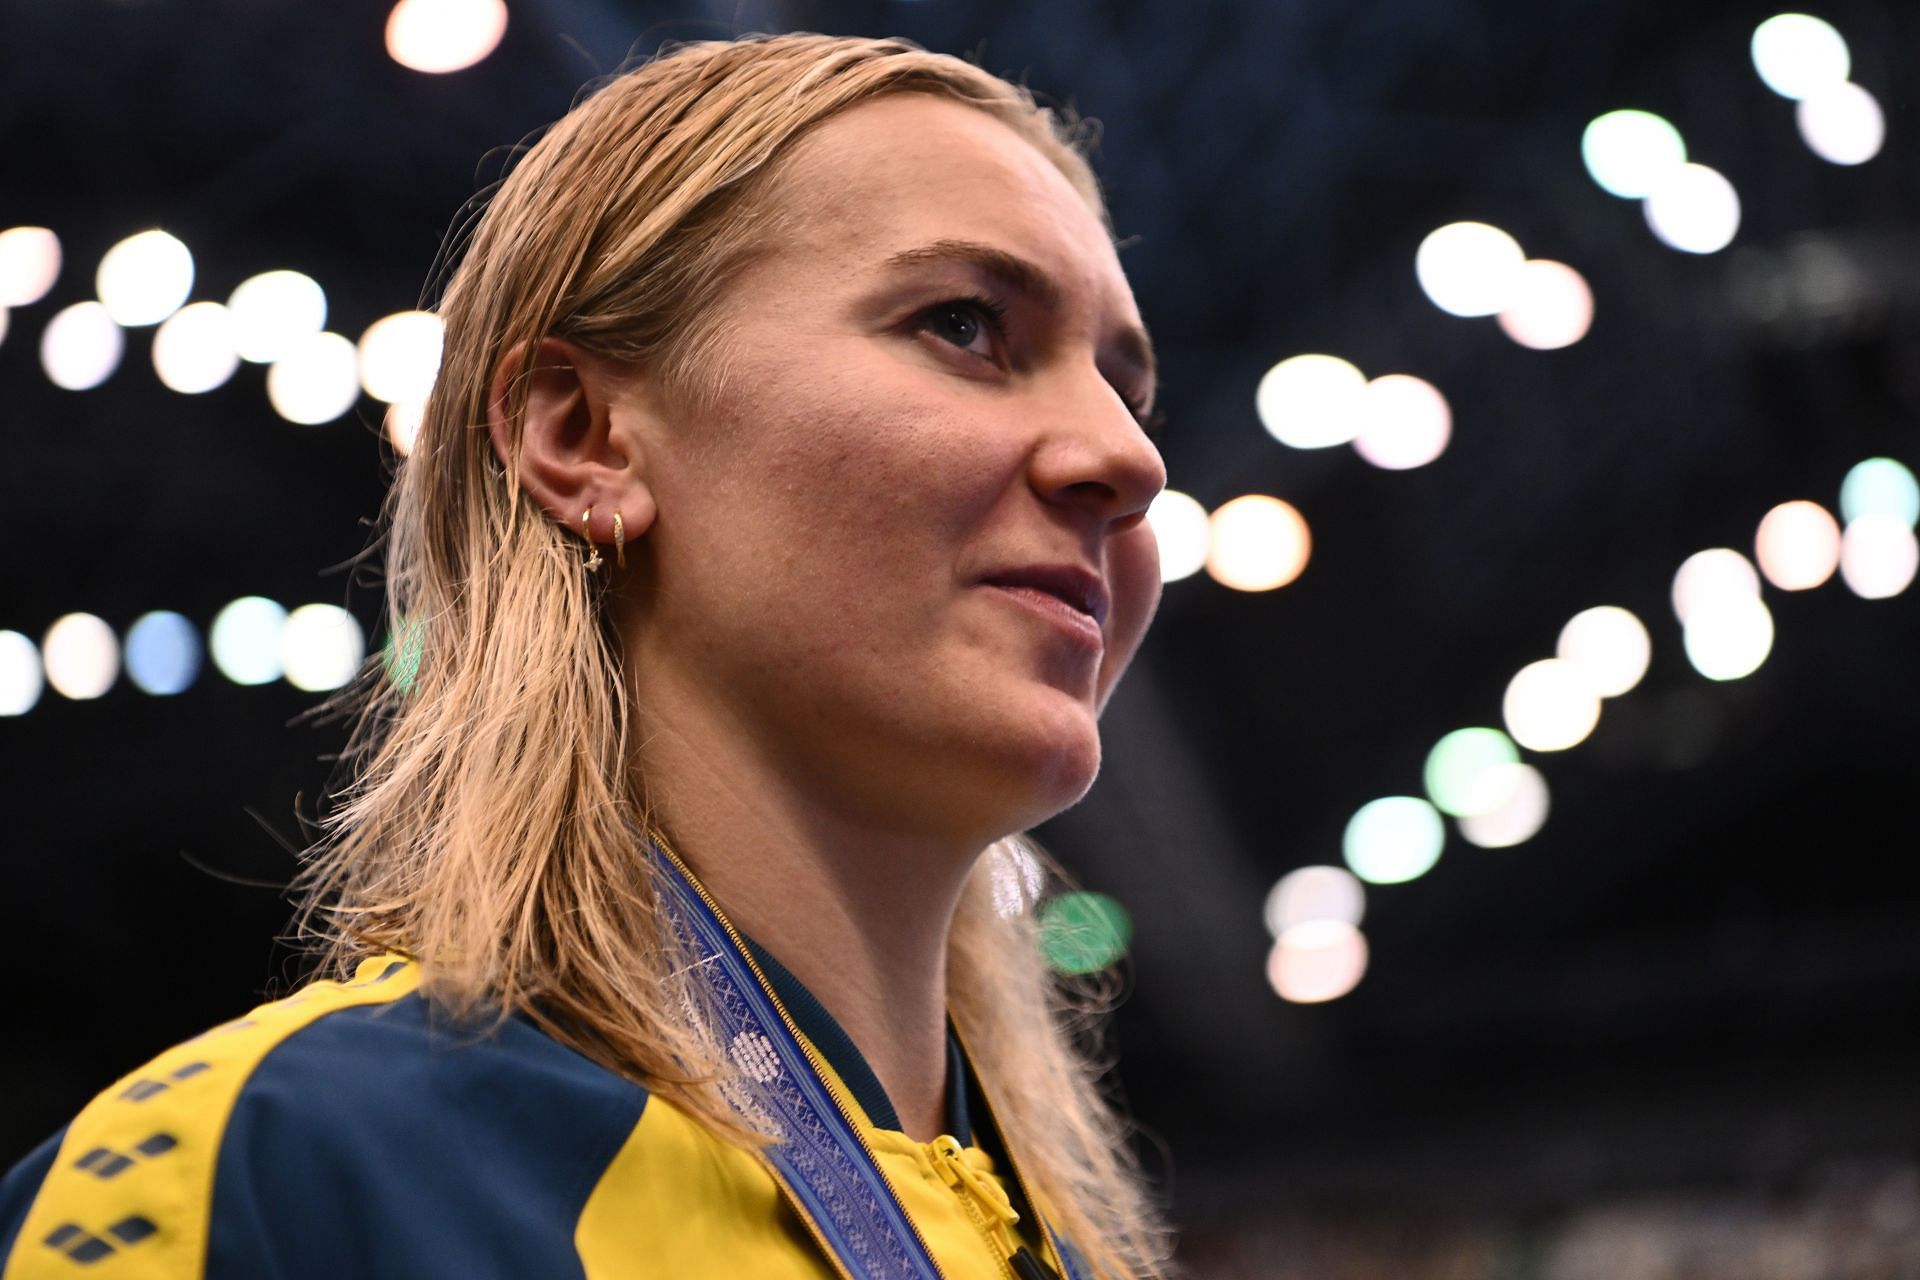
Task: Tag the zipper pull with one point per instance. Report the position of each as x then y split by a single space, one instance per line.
976 1186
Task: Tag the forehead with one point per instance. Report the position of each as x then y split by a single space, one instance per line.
908 169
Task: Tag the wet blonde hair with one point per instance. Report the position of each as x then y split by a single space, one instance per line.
491 825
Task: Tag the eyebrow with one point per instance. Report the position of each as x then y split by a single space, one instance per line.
1133 345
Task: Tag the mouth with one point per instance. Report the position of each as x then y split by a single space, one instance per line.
1077 588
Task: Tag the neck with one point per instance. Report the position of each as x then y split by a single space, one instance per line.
857 910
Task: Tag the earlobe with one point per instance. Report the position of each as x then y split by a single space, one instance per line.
574 448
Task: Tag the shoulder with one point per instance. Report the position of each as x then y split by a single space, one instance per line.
346 1126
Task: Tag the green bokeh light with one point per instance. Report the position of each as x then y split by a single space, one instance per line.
1394 839
1458 764
1083 932
1880 486
401 660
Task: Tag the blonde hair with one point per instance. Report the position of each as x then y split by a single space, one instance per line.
490 825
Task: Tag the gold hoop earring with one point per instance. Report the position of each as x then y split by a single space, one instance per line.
593 561
619 538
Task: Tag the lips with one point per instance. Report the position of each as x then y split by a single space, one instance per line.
1079 588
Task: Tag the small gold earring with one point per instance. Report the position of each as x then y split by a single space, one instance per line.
619 538
586 528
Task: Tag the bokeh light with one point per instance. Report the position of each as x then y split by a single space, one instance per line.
1708 577
1520 815
245 640
1317 961
1628 152
400 356
321 646
29 264
1552 306
1404 422
1610 644
1307 894
1551 705
82 656
1311 401
1878 555
1469 268
1729 638
1183 532
274 312
400 654
1393 839
1257 543
1797 545
81 347
163 653
403 428
144 278
193 348
1694 209
1880 486
1458 774
1797 54
21 678
438 36
1083 932
1842 124
316 381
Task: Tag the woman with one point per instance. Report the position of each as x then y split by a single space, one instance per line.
771 544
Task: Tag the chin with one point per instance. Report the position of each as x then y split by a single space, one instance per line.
1056 760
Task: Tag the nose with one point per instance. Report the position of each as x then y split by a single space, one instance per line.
1096 458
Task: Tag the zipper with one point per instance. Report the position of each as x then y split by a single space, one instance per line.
1050 1266
819 1071
978 1192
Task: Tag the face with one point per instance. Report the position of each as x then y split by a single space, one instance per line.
902 549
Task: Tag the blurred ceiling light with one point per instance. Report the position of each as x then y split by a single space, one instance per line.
403 428
145 278
29 264
21 678
1878 556
1730 638
163 653
3 324
1551 705
1393 839
1880 486
81 346
316 381
1707 576
1629 152
1694 210
1317 961
1307 894
82 656
1311 401
1520 815
1842 124
1456 773
1083 932
321 646
273 312
245 640
438 36
193 348
1797 54
1404 422
1552 306
1181 529
1257 543
400 356
1797 545
1469 268
1610 644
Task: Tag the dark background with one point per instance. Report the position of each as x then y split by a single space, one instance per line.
1698 983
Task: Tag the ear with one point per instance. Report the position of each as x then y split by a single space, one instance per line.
580 442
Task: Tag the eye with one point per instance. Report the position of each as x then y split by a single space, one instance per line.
971 324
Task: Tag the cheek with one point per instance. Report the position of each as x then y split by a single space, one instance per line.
1133 564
